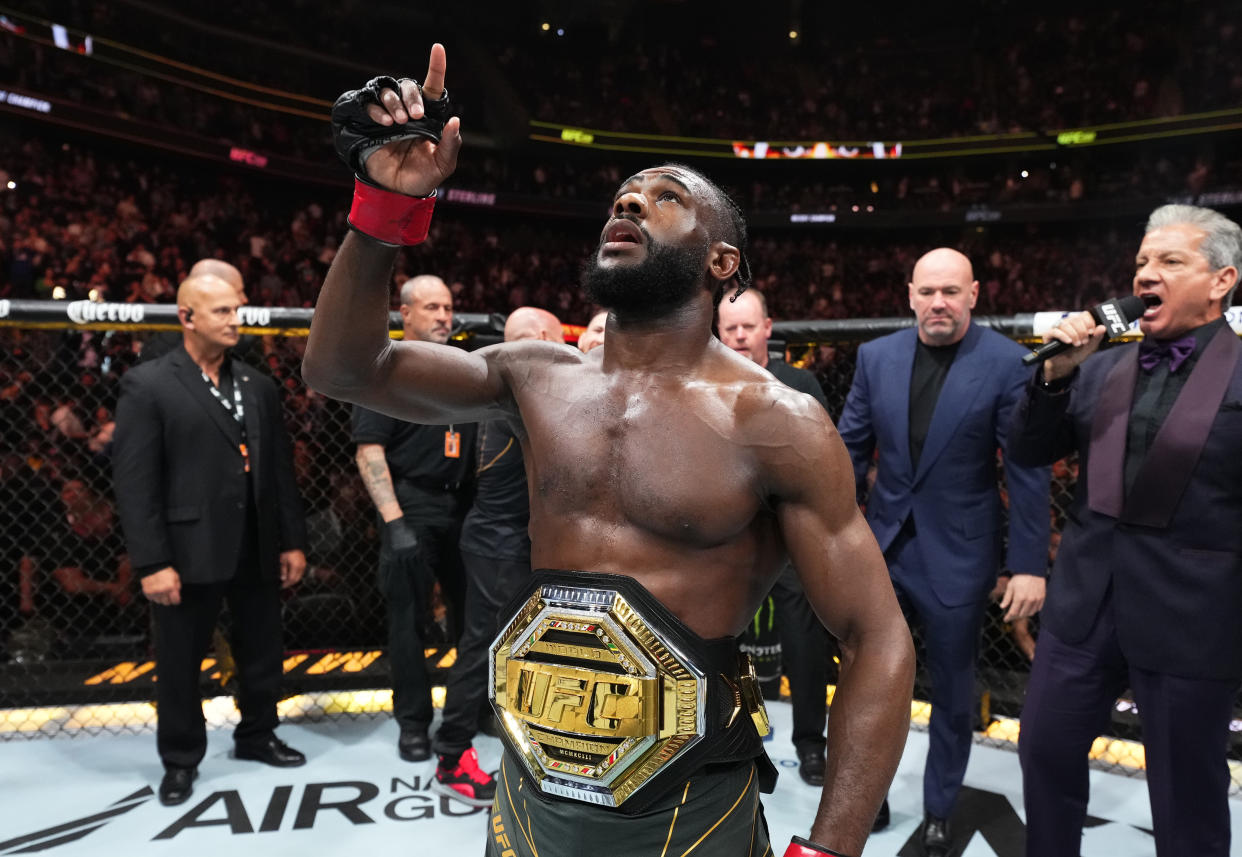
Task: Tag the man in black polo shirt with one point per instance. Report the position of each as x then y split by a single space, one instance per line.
415 475
745 326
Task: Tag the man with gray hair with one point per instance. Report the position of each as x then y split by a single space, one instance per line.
1147 587
417 476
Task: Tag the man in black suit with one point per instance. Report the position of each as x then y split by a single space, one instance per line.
418 477
205 487
1147 586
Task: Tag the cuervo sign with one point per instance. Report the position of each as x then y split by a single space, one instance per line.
89 312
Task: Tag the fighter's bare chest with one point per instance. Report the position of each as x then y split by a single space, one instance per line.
667 459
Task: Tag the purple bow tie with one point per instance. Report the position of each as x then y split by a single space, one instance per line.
1152 351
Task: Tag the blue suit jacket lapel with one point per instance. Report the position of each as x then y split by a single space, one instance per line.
894 384
960 388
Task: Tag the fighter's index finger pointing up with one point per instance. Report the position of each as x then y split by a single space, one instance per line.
433 84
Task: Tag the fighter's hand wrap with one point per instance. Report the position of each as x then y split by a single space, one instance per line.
800 847
388 216
385 215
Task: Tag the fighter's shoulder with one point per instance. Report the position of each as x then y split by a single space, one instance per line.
763 404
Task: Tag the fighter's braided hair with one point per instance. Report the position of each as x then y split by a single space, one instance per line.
743 275
731 213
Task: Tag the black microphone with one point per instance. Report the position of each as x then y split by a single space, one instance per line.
1116 316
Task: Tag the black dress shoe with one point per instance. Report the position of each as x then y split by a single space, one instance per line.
882 818
176 787
269 751
936 841
414 745
811 764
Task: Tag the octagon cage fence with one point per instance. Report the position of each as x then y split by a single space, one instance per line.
75 634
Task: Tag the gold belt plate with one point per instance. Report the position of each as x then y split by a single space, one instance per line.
594 699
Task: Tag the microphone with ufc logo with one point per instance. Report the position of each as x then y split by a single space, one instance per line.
1116 316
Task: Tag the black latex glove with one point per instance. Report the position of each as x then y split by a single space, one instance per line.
400 541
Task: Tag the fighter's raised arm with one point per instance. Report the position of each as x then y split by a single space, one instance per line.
402 143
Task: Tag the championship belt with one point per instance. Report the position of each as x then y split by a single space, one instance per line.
607 698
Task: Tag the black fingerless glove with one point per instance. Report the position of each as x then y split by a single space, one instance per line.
356 135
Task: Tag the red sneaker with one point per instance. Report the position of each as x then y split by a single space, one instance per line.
463 780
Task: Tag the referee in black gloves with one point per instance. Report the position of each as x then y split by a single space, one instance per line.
417 477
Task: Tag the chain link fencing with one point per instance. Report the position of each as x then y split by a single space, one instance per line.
75 634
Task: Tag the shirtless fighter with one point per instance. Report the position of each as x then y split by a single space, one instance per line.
671 477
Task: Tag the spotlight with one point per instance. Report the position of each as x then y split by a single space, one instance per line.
545 26
12 185
1025 174
793 35
560 31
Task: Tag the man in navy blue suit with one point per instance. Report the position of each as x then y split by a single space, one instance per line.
1147 588
932 405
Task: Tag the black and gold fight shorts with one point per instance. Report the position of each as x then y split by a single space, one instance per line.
715 812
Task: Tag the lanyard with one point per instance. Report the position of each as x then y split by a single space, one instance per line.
236 409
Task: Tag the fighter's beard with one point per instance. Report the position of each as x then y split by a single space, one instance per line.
668 278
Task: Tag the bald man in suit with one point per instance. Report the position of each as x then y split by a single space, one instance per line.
934 402
204 483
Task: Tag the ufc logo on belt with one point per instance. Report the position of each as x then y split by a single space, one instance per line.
580 701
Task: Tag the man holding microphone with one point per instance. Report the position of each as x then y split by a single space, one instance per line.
1147 586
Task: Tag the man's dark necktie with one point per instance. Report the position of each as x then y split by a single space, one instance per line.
1152 351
